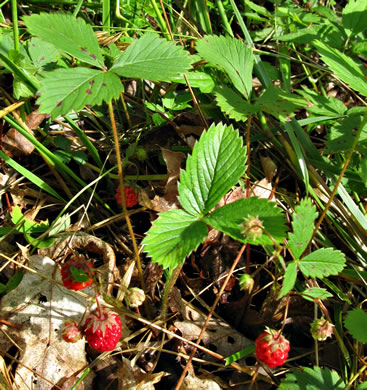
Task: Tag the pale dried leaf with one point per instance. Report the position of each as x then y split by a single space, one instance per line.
134 378
5 381
194 382
218 333
40 307
262 189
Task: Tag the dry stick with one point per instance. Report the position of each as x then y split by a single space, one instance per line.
230 272
333 193
123 202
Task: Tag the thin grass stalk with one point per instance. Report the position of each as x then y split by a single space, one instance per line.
77 8
201 14
123 201
14 15
226 26
106 15
161 21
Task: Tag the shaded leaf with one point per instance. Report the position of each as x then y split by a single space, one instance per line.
303 224
228 219
233 56
354 17
173 236
343 66
41 53
153 58
355 322
323 262
70 34
290 277
312 379
64 90
217 162
313 293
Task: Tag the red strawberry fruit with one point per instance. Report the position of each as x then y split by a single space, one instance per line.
131 197
102 329
71 332
272 348
76 265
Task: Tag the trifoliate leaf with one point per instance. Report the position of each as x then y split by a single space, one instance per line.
233 56
64 90
173 236
290 277
343 66
303 224
217 162
153 58
70 34
228 219
323 262
355 322
312 379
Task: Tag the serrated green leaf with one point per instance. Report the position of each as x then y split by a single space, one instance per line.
41 53
303 224
200 80
313 293
233 104
153 58
64 90
343 66
217 162
290 277
323 262
228 219
233 56
26 225
355 322
65 32
354 16
173 236
312 379
279 103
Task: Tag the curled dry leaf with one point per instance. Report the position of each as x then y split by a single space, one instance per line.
131 377
83 241
218 333
262 189
197 383
40 307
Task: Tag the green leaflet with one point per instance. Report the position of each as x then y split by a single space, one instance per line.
72 35
233 56
153 58
64 90
217 162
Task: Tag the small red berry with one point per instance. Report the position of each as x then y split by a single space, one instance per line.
131 197
102 329
71 332
272 348
83 269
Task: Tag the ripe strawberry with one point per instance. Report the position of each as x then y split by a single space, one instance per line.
131 197
103 329
271 348
80 267
71 332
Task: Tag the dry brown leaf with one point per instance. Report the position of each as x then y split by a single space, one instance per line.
133 378
40 308
173 162
218 333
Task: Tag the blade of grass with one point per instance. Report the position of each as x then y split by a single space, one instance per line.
14 15
200 13
31 176
106 15
226 25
